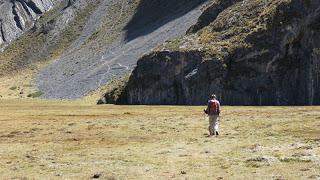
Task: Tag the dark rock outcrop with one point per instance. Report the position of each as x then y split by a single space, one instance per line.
255 52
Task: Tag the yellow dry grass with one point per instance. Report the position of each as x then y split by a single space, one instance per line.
75 140
17 85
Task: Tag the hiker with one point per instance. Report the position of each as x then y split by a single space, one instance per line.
213 111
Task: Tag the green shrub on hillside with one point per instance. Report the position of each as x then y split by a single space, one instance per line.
35 94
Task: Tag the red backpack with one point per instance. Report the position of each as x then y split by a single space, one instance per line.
214 107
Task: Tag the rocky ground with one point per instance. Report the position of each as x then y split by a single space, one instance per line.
75 140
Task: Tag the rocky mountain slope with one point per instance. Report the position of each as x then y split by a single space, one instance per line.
44 37
249 52
18 16
114 37
84 44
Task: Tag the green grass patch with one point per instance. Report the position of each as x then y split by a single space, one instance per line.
35 94
13 88
174 44
294 159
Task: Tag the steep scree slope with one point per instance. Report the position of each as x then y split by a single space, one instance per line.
115 35
249 52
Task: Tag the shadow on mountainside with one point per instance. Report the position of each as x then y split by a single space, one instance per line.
152 14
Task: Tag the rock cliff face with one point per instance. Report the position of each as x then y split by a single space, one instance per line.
18 16
249 52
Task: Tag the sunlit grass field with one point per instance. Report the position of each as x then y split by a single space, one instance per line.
75 140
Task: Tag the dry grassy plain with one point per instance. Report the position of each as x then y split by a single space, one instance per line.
75 140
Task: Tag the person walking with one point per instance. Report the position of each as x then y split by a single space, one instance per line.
213 111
